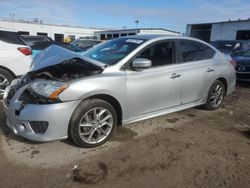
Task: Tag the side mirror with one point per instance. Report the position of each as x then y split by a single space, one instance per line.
141 63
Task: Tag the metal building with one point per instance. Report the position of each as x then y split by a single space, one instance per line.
56 32
109 34
227 30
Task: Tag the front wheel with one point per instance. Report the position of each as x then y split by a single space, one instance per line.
215 96
92 123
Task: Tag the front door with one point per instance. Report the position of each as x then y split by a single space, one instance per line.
158 87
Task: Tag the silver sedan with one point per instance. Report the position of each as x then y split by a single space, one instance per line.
121 81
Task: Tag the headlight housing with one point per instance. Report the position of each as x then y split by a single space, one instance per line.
48 89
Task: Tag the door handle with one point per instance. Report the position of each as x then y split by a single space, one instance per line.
174 75
210 70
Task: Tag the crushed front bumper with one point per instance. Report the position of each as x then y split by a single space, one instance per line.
20 116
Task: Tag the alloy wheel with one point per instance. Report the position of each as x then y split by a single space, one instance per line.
3 84
95 125
217 96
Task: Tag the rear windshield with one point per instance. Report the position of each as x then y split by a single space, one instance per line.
32 40
40 45
10 37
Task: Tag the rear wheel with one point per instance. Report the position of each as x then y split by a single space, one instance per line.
215 96
5 80
92 123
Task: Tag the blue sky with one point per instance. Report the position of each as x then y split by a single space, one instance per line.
168 14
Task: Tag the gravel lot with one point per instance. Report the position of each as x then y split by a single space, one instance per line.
192 148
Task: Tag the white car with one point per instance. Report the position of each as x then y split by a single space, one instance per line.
15 58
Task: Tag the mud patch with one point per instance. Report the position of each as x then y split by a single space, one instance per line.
23 151
123 134
35 152
155 166
172 129
191 115
96 174
246 134
173 120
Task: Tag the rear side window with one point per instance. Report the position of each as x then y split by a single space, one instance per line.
10 37
160 54
195 51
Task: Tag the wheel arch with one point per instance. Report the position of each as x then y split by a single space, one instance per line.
8 70
113 101
224 82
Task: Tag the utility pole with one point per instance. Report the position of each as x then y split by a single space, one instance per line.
12 16
136 23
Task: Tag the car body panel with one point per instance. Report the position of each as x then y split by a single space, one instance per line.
152 83
142 94
58 127
242 68
14 60
54 55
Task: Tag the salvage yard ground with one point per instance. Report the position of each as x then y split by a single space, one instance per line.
192 148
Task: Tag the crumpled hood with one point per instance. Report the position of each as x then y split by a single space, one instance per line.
54 55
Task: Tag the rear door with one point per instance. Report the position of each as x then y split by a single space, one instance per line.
198 69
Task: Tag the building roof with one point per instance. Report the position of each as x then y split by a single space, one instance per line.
221 22
133 29
46 24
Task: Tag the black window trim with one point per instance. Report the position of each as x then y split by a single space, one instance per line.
128 65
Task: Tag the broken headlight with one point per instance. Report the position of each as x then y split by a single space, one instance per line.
48 89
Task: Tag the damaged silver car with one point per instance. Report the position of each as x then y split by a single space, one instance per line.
84 97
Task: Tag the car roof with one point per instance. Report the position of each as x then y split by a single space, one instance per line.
153 36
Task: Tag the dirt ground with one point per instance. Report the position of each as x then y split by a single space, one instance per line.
192 148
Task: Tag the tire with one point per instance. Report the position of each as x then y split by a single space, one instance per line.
83 122
5 79
215 96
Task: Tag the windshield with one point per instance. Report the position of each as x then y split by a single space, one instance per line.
224 45
113 51
247 53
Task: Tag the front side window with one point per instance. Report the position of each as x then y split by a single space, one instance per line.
111 52
195 51
160 54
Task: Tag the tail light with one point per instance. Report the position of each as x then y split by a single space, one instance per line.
232 62
25 50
